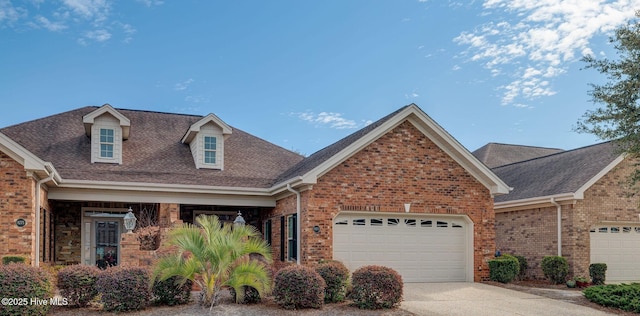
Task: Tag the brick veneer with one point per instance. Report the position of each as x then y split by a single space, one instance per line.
17 200
533 232
402 166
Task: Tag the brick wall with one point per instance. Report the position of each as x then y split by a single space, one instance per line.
16 201
403 166
533 232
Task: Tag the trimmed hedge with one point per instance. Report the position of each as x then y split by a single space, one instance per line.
336 277
251 295
13 259
524 265
597 272
171 292
77 283
504 268
622 296
21 283
298 287
555 269
124 288
376 287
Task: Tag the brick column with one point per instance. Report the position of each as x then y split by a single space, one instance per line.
129 249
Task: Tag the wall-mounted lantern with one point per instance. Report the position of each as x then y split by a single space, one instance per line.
130 221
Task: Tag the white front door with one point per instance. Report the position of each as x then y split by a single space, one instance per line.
617 245
422 248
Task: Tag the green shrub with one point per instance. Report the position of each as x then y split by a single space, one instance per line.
124 288
298 287
376 287
504 268
77 283
336 276
555 269
523 265
13 259
622 296
597 272
20 283
251 295
171 291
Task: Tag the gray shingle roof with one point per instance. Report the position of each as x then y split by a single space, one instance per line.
495 154
153 153
563 172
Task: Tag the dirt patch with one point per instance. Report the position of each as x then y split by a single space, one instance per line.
557 292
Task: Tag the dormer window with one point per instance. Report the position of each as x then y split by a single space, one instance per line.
107 129
206 139
106 143
210 150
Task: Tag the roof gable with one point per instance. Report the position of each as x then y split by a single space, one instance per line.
313 167
90 118
195 127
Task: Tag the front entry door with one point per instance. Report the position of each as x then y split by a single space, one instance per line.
106 244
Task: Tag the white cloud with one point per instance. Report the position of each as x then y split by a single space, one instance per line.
544 36
9 13
181 86
51 26
150 3
330 119
97 10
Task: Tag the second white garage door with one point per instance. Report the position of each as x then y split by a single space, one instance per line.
421 248
619 247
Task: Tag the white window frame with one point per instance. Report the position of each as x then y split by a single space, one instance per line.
112 143
206 150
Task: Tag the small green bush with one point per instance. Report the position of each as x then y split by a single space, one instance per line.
251 295
555 269
376 287
504 268
171 291
298 287
622 296
20 283
124 288
13 259
524 265
597 272
336 276
77 283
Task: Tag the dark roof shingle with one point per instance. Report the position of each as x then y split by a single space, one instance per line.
495 154
153 153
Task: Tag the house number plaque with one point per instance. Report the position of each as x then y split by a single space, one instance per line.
21 222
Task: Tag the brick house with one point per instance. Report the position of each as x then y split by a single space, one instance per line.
400 192
571 203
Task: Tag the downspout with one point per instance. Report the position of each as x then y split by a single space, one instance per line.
36 260
298 233
559 214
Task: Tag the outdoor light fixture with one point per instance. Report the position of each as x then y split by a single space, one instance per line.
239 221
130 221
407 207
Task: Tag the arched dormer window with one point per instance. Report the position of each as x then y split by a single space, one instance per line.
107 128
206 140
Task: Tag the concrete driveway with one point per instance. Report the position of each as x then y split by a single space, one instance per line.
482 299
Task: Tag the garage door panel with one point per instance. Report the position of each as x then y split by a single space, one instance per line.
421 249
617 246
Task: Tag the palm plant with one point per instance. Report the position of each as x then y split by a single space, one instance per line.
214 256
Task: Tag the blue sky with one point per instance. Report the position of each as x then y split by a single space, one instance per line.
303 74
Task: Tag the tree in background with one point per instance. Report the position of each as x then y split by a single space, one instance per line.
619 118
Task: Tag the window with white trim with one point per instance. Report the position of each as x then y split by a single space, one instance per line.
292 238
107 142
210 150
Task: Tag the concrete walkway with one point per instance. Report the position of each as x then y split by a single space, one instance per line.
483 299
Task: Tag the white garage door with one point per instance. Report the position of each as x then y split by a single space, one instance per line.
420 248
619 247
